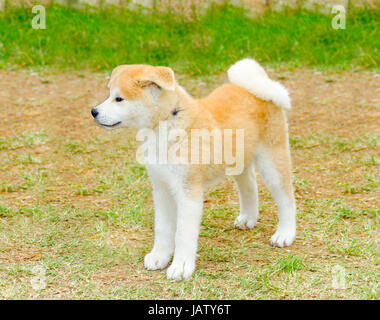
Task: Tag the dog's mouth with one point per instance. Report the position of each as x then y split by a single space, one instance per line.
109 125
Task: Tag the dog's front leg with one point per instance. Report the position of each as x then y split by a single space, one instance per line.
189 217
164 227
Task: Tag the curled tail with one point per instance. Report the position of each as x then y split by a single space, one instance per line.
249 75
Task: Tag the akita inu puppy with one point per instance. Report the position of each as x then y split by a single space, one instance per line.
143 96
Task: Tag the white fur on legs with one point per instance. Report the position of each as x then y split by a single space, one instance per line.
286 229
186 240
248 196
164 227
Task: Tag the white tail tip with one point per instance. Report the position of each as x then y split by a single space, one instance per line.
249 75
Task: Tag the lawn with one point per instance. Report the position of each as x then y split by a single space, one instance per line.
99 39
76 211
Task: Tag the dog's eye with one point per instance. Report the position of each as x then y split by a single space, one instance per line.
119 99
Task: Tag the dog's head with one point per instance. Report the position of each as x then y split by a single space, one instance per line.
135 94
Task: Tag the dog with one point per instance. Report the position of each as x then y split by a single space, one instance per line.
144 96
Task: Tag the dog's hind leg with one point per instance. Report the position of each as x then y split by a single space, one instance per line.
273 164
248 197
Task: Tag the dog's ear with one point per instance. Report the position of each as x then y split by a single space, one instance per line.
161 77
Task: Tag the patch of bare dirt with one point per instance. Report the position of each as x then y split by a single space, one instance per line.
337 104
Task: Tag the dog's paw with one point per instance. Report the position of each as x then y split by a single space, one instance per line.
181 270
283 238
244 222
156 260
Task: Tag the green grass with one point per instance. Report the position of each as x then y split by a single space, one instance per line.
290 264
22 140
103 38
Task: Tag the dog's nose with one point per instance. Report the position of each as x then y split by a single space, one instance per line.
94 112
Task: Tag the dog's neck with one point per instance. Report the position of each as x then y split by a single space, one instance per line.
172 106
